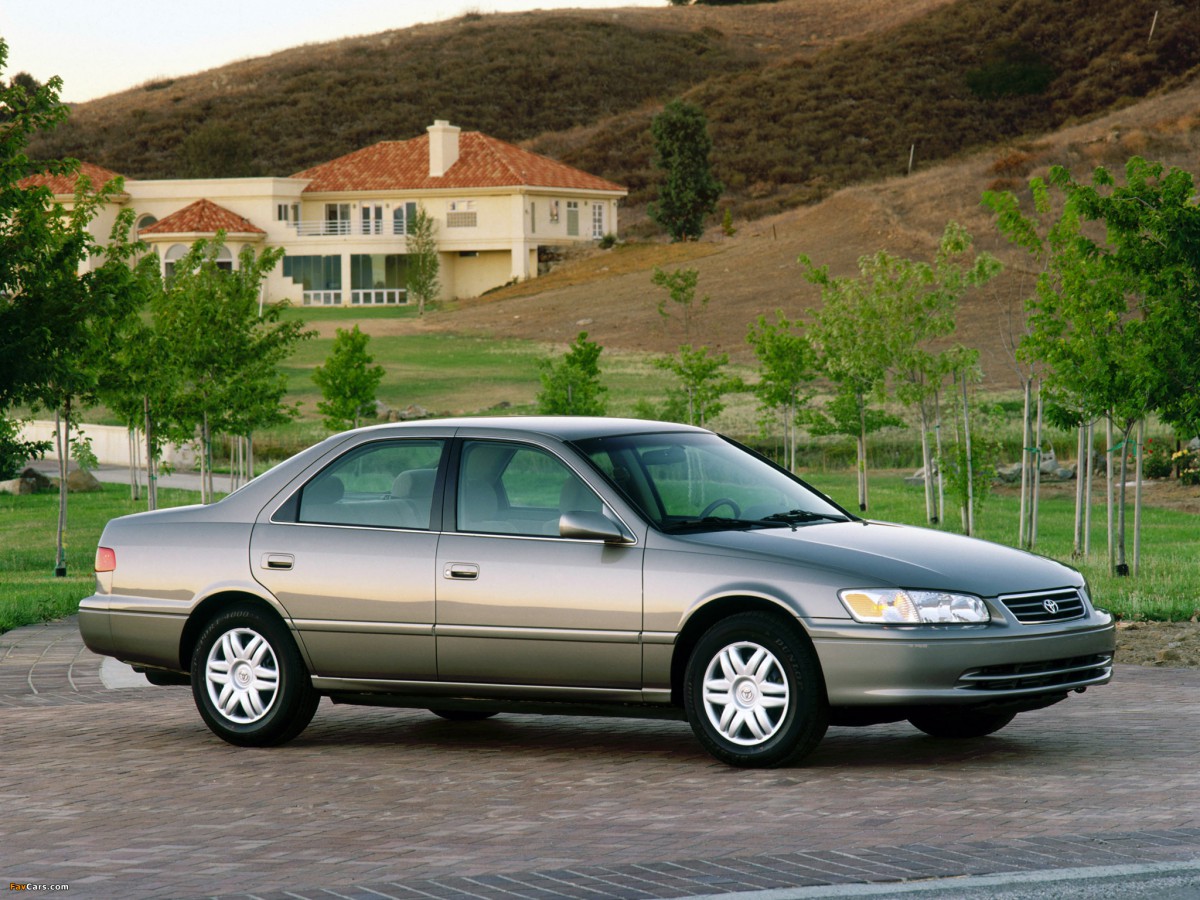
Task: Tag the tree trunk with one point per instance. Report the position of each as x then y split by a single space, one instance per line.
62 435
1026 437
1108 477
134 466
1137 499
937 433
1037 474
1122 567
930 515
1080 449
862 454
1087 491
969 468
151 459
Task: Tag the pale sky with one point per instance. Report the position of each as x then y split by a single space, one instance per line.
100 48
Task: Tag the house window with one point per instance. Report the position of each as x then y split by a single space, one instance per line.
319 276
283 212
461 214
573 218
179 251
553 210
372 218
597 220
403 217
145 221
378 278
532 217
337 218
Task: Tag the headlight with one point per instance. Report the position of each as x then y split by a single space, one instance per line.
901 607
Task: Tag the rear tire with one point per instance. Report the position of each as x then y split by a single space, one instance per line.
958 724
753 692
248 680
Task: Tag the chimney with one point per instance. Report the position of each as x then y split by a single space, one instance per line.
443 147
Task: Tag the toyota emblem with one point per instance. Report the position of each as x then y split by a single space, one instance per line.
1051 606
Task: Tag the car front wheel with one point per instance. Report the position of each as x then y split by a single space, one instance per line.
248 680
753 692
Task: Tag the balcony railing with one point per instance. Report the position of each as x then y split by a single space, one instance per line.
343 227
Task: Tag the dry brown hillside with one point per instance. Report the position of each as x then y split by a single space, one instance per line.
609 293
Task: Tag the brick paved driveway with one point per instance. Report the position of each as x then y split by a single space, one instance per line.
125 793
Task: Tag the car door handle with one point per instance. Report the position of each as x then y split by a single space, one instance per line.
278 561
461 571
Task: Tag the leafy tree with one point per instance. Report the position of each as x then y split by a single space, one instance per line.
787 367
571 386
688 192
347 380
680 286
919 303
696 398
15 452
423 263
850 336
226 356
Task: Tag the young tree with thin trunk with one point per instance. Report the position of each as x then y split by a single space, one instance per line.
787 367
571 385
348 380
422 261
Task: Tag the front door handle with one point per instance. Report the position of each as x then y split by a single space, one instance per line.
278 561
461 571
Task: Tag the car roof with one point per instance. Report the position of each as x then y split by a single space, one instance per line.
565 428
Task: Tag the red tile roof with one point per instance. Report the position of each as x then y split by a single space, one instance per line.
202 217
65 184
482 162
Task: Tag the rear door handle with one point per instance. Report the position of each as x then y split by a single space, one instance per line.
461 571
278 561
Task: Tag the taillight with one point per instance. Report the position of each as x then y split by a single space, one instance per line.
106 559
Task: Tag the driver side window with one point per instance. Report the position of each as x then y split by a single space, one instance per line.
517 489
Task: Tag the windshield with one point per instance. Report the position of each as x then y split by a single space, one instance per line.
689 481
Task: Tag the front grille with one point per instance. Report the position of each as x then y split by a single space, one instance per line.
1076 671
1045 606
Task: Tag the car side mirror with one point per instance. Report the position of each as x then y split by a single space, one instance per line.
591 526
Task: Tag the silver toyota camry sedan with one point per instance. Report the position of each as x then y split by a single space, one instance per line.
579 565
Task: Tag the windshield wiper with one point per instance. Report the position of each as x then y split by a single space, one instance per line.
713 522
794 517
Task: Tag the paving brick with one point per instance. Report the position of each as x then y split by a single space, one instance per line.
125 793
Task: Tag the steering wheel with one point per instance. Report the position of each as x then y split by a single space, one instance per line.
717 504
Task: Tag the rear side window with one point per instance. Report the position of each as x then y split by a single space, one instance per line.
387 484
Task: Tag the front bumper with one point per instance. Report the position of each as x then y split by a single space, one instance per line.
976 666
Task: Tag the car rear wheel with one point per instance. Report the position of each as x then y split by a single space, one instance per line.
248 680
952 723
753 692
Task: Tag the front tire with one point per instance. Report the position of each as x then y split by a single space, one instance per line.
958 724
249 683
753 692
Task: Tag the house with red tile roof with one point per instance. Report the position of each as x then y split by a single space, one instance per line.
344 224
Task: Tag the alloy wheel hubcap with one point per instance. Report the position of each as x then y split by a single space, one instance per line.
746 694
242 676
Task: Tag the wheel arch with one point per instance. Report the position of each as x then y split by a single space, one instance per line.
215 603
704 617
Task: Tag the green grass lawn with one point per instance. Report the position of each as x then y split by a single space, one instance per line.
1168 586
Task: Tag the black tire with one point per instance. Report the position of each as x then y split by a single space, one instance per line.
959 723
249 683
771 716
463 715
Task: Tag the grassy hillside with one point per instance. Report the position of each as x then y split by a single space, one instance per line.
513 76
963 76
803 96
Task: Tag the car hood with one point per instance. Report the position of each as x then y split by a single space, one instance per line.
880 553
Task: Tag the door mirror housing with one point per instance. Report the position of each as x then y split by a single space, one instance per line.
592 526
